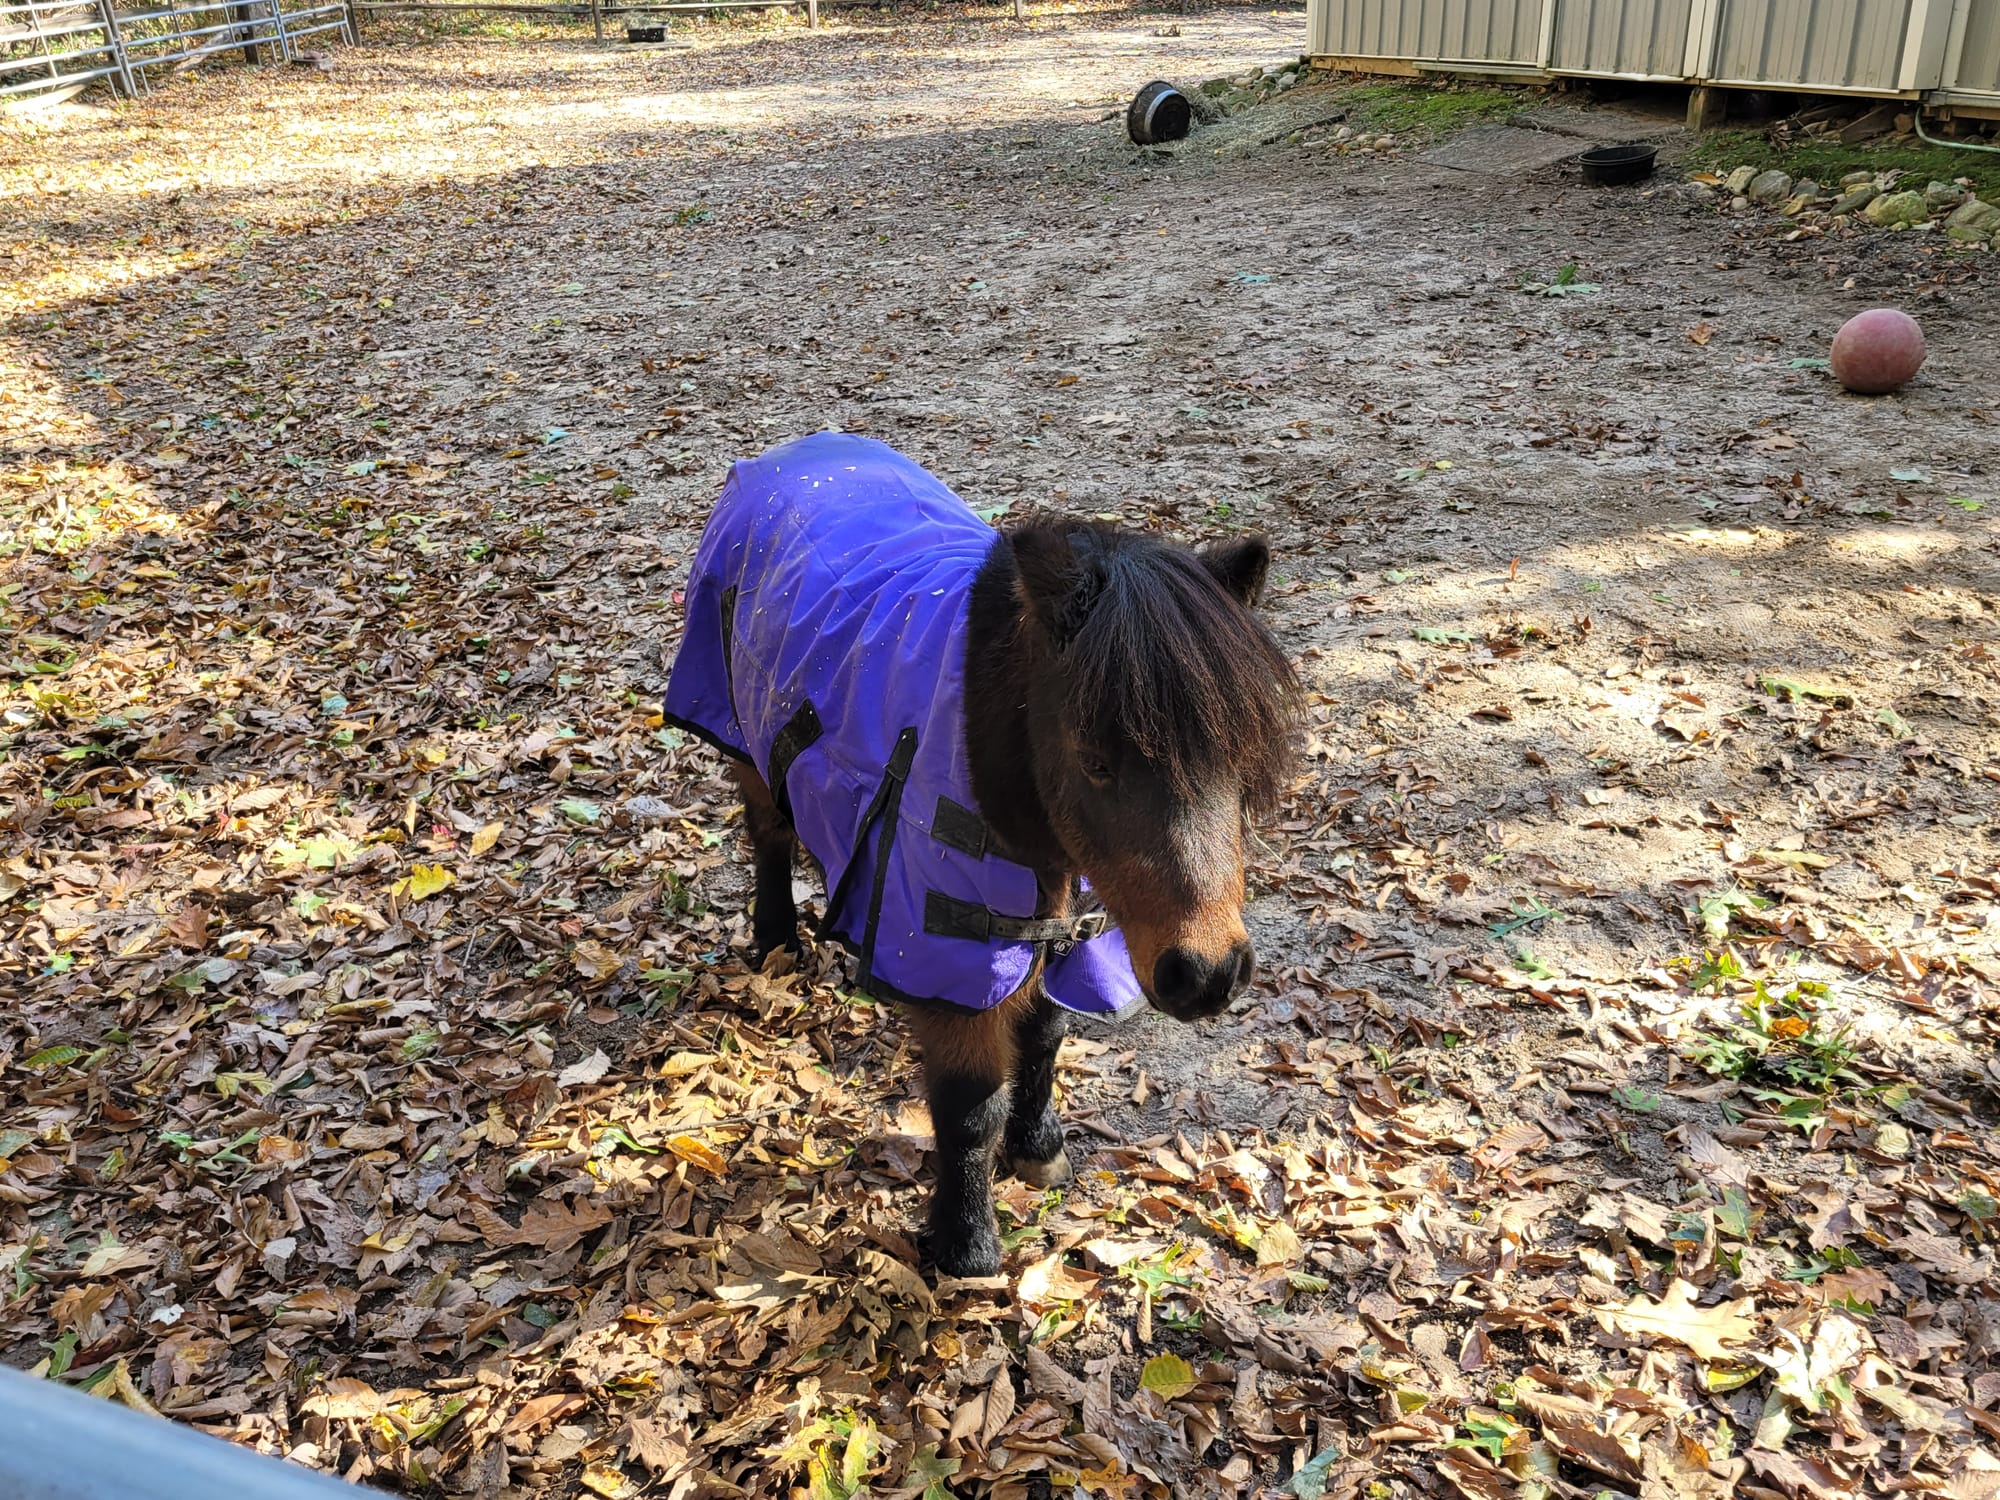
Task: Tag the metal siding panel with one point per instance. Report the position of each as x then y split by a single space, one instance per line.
1812 43
1647 38
1497 31
1979 59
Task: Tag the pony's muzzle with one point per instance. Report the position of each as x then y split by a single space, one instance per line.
1189 985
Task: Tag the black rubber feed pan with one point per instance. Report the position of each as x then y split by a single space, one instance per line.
645 33
1158 113
1611 166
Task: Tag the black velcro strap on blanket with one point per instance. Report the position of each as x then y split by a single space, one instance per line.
959 828
727 606
800 731
947 916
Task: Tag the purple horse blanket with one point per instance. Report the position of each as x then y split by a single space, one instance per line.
826 640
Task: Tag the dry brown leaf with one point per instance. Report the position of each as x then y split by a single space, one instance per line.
562 1225
584 1071
661 1446
1050 1380
1708 1331
593 960
1000 1405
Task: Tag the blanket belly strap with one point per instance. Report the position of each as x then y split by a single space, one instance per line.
947 916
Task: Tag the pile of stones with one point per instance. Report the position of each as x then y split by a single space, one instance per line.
1860 198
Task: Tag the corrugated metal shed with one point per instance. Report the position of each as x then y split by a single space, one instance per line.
1507 32
1973 68
1820 44
1883 47
1623 38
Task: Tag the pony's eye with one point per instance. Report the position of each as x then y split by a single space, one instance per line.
1096 768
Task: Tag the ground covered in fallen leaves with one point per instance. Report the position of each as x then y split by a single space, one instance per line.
380 1081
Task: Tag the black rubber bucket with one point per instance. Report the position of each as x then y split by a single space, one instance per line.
645 33
1158 113
1613 166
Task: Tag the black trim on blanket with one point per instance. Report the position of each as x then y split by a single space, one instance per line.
959 828
801 731
889 807
728 609
707 736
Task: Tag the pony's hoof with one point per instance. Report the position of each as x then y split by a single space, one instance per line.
966 1256
1044 1174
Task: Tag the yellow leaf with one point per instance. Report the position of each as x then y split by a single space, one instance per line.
486 838
605 1480
424 881
1675 1318
1048 1282
1167 1375
705 1156
1279 1246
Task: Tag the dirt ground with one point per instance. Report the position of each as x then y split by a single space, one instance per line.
383 1085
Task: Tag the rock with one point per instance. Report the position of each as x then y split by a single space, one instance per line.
1898 210
1972 222
1854 201
1858 179
1976 213
1738 182
1343 135
1215 88
1942 195
1906 123
1798 204
1739 204
1805 187
1769 187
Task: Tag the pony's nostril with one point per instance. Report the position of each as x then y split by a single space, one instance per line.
1244 965
1178 977
1188 984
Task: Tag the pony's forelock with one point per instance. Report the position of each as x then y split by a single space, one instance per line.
1169 662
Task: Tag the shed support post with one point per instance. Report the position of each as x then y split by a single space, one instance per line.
597 18
812 15
1707 107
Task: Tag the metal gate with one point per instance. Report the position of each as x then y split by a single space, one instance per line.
55 48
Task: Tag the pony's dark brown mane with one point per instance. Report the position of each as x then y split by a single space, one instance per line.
1167 660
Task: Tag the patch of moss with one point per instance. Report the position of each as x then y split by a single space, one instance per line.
1432 109
1826 162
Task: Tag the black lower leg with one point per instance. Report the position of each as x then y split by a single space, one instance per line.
774 922
969 1115
1034 1129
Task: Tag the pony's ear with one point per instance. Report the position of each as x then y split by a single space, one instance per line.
1240 567
1059 580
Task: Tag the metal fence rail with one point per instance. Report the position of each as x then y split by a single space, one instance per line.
57 47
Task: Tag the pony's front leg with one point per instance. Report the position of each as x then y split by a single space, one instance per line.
967 1059
1034 1129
